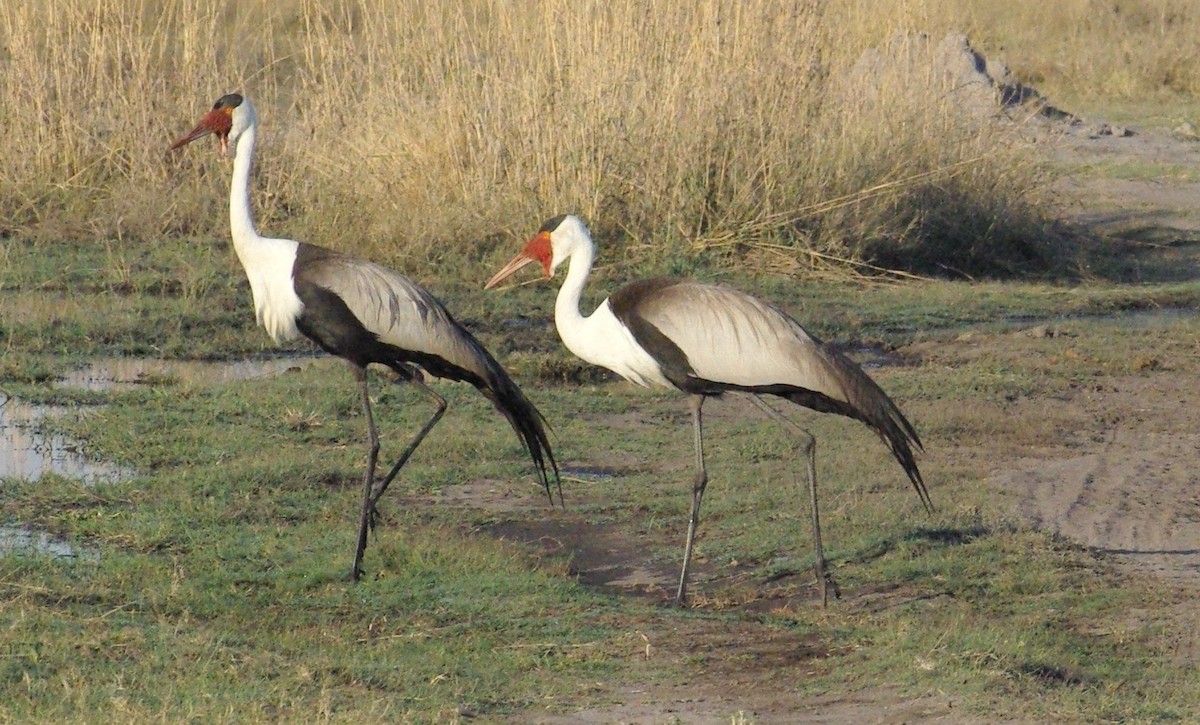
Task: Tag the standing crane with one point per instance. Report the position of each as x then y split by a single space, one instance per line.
362 313
706 340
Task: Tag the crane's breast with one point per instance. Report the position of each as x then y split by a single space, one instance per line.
269 270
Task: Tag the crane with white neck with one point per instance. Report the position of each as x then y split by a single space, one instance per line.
363 313
707 340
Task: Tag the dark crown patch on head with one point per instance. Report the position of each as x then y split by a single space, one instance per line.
552 224
229 100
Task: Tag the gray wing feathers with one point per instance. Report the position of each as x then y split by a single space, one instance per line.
398 311
731 337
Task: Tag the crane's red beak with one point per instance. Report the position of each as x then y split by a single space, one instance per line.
538 250
218 121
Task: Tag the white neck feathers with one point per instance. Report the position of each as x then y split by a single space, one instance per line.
571 323
599 338
268 262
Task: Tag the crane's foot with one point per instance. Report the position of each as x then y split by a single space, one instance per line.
826 582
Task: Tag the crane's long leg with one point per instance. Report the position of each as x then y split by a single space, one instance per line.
360 374
698 484
809 446
370 495
416 441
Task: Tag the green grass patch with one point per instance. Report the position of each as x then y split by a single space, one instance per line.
213 580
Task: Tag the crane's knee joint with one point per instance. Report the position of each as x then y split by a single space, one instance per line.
808 442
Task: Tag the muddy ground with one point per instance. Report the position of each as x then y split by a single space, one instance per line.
1140 427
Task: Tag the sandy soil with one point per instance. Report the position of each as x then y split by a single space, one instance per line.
1131 427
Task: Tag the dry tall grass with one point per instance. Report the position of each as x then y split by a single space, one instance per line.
411 131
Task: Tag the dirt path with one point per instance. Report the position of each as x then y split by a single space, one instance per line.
1146 428
1134 490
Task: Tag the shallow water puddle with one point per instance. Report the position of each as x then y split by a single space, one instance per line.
590 473
1151 318
1143 319
110 373
19 540
27 452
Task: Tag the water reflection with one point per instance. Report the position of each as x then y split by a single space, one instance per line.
27 452
18 540
109 373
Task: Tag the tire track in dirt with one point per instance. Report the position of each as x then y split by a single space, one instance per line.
1132 490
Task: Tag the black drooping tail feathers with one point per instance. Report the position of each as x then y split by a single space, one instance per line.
528 422
867 402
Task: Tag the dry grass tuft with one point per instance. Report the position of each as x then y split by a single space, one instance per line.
415 132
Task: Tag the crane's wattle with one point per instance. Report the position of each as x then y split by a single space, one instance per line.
218 121
537 250
541 250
